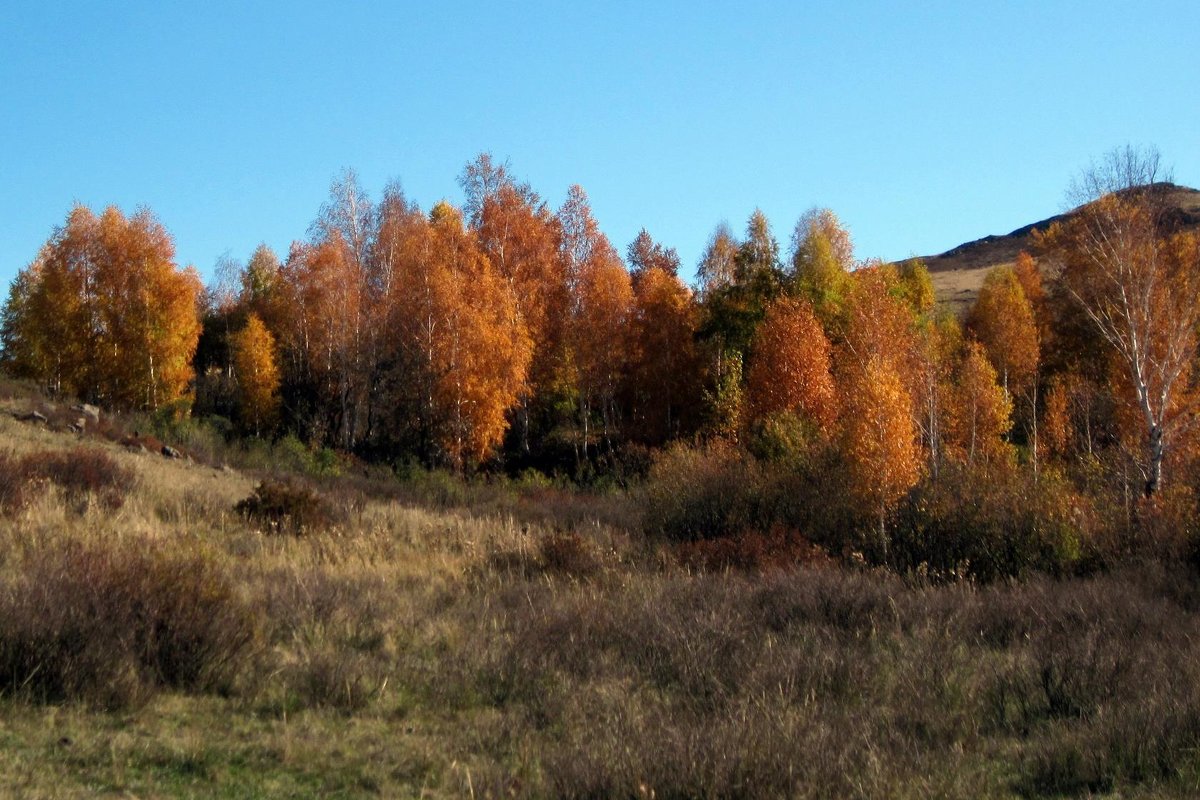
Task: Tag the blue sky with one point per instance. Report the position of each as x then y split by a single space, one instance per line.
922 125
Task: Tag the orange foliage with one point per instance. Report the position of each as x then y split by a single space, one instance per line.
879 436
459 324
603 305
663 378
1003 322
323 313
520 237
980 414
1030 278
1057 427
1140 289
107 315
791 366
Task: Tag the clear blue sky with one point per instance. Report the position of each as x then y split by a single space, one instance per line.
921 124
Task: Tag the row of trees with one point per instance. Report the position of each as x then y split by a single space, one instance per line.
508 332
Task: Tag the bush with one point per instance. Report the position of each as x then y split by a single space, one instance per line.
784 438
14 484
568 553
779 549
294 455
82 474
111 623
285 507
705 493
990 523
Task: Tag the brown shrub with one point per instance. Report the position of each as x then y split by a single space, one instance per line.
111 623
82 474
779 549
139 442
14 484
568 553
286 507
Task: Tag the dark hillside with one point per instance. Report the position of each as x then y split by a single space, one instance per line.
958 273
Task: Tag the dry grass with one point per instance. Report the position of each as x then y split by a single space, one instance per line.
956 289
414 652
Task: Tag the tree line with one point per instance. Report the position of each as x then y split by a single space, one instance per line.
509 334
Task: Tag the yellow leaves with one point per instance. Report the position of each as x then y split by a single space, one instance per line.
980 412
257 370
879 436
1003 322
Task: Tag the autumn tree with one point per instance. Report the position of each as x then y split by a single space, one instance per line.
520 237
260 286
348 216
1002 321
822 257
938 343
465 348
916 287
757 259
644 254
878 321
791 367
980 411
719 261
601 306
255 364
733 311
402 243
1138 283
105 314
879 437
21 352
214 387
53 324
1058 430
663 378
1030 278
323 339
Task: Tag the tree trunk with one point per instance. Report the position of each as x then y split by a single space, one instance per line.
1154 478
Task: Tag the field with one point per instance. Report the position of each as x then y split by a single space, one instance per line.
516 640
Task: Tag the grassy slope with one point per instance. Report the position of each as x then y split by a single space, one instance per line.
434 653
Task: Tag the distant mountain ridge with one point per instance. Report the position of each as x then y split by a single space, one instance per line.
959 272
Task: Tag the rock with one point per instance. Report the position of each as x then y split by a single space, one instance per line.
171 452
81 423
89 411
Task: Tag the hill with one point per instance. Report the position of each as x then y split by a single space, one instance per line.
958 273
